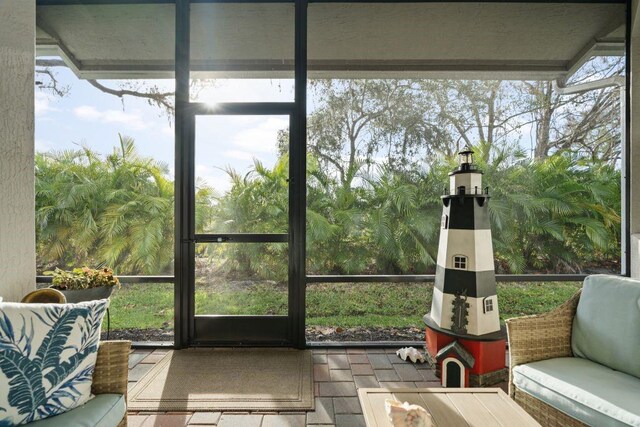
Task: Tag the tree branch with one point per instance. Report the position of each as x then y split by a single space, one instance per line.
161 99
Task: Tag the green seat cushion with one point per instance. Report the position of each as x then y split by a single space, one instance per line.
606 328
104 410
584 390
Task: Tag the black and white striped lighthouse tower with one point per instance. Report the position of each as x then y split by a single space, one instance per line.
465 304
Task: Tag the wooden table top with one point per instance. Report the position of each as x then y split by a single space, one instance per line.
449 407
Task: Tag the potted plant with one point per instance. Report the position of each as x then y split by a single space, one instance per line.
84 284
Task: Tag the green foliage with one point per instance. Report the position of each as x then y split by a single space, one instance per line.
114 211
82 278
379 155
559 214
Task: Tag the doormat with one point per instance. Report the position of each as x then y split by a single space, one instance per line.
260 379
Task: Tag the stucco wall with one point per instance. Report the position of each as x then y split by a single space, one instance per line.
17 231
635 140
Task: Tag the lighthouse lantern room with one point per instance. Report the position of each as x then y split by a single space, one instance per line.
465 304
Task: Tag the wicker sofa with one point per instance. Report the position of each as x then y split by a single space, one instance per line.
109 385
575 365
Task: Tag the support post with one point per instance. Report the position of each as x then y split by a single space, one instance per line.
632 232
17 180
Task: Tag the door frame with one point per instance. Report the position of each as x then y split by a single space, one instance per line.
251 330
239 330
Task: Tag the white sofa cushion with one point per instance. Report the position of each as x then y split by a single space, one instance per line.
584 390
606 328
48 354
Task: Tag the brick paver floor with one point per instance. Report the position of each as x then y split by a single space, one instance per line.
338 374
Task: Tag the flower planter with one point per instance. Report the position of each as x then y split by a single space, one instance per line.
79 295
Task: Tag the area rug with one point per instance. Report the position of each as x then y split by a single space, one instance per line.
227 379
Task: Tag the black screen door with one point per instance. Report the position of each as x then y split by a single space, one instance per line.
241 278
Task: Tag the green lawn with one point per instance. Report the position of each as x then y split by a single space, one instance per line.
345 305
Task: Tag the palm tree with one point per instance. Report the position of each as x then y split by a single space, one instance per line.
116 211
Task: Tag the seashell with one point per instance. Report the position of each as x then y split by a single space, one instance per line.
411 353
406 415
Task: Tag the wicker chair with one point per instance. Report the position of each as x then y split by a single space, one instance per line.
112 370
45 296
541 337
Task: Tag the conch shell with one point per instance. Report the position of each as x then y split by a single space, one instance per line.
406 415
411 353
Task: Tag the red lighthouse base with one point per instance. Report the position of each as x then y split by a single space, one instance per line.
489 353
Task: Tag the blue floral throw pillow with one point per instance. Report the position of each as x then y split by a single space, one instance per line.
47 356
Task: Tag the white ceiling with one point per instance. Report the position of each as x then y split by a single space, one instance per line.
512 40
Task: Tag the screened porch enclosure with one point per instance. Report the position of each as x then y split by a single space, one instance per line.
328 202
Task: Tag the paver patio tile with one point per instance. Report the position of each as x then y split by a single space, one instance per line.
429 375
338 373
338 361
233 420
323 413
346 405
341 375
139 370
362 369
379 361
336 389
206 418
321 373
154 357
166 421
136 356
395 359
349 420
423 366
397 384
136 420
319 358
366 381
283 421
428 384
357 358
408 372
386 375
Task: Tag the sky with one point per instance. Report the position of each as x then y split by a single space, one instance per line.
87 116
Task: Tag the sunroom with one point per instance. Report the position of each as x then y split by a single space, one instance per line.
269 175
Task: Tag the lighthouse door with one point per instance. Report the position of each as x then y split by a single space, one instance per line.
453 374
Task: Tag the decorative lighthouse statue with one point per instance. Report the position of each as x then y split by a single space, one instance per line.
464 338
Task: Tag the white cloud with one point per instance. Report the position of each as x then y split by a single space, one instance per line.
262 138
238 154
43 145
168 130
42 105
213 177
248 90
133 120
